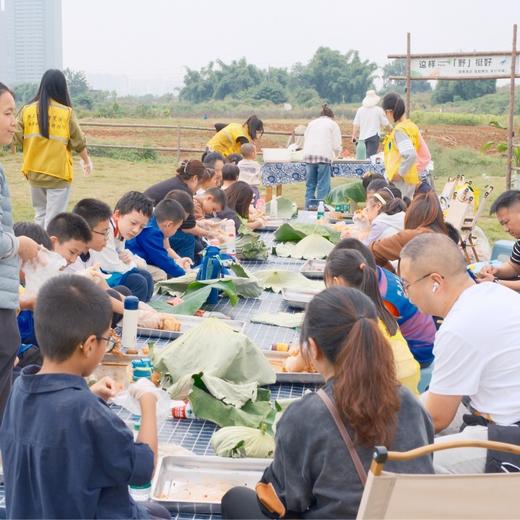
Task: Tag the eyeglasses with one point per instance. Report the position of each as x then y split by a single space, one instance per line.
407 285
106 234
111 343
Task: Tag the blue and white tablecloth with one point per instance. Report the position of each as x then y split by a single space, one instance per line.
289 172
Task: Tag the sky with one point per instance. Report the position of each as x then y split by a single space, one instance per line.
153 41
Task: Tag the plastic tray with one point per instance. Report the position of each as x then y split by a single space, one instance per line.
297 299
313 269
197 484
277 358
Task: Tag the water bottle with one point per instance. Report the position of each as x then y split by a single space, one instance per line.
129 336
230 230
321 210
361 150
273 209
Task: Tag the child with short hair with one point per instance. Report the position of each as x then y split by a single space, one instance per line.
70 235
130 216
250 169
211 201
150 243
230 174
58 432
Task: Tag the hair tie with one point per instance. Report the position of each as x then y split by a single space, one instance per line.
185 167
389 191
379 198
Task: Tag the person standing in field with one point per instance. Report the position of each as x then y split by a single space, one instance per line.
231 137
322 144
401 146
12 250
48 131
368 122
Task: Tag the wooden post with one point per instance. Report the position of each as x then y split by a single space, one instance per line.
268 193
510 126
178 144
408 73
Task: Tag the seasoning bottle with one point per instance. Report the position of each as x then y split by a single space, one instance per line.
182 410
321 210
129 336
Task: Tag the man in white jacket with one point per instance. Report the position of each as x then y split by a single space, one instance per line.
322 145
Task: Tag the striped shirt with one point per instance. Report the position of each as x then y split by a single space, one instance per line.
515 255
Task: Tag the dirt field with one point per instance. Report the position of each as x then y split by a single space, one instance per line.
447 136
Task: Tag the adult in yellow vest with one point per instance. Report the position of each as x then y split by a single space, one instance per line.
400 146
48 131
229 139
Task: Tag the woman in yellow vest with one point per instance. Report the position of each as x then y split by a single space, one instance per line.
229 139
400 146
48 131
348 268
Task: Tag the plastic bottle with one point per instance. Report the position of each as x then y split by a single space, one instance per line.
141 368
361 150
273 208
139 493
182 410
129 336
230 230
321 210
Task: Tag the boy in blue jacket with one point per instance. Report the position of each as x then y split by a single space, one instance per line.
150 243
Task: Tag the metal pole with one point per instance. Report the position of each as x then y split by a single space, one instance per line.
408 73
178 144
510 128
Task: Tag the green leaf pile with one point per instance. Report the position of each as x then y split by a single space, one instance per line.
348 192
310 248
286 208
294 232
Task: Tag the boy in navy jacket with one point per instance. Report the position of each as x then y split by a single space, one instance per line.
150 243
65 453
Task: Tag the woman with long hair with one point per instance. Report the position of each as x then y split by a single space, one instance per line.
348 268
231 137
424 215
239 198
313 474
48 131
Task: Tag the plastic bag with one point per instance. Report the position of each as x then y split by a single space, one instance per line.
126 401
46 265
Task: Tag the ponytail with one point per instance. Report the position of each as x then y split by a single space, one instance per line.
343 324
394 102
352 267
190 168
363 382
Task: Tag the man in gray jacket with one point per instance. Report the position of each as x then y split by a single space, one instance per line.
12 250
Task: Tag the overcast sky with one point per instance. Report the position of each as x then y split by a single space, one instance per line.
161 37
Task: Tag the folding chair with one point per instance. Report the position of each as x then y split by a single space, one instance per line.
447 496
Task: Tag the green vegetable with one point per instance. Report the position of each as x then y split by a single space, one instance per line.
348 192
311 247
295 232
286 208
249 246
276 280
241 441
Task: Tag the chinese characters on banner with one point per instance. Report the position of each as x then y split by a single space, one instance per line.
463 66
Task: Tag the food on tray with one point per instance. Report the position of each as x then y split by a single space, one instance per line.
242 441
296 362
132 351
209 490
170 323
280 347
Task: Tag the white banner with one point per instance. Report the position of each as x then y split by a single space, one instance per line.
463 66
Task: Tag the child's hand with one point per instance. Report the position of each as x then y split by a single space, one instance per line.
185 262
27 249
27 302
126 256
141 388
105 388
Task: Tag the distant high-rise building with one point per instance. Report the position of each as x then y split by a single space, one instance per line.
31 39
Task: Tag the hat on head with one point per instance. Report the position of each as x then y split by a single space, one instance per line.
371 99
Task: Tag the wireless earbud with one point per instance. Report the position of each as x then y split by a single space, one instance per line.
435 287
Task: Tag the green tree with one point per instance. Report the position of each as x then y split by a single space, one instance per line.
270 91
337 77
77 82
448 91
24 92
398 68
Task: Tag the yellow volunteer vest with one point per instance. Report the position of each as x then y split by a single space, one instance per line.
48 156
392 155
407 369
225 141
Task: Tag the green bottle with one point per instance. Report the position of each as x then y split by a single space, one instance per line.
361 150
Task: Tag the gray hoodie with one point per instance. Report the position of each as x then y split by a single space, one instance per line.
384 226
9 261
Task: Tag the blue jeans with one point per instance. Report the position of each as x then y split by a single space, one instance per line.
140 282
318 176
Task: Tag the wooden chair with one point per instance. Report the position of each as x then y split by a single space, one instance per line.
447 496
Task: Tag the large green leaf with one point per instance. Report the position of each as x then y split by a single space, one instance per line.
310 248
294 232
348 192
286 208
277 279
